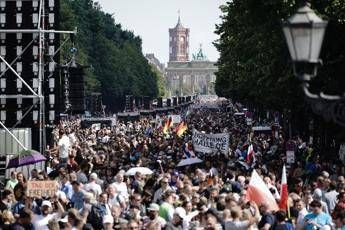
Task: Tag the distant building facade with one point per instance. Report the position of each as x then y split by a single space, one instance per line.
154 61
185 77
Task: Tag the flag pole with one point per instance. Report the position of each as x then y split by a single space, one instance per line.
288 208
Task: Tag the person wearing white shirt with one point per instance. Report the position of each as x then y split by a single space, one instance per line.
92 186
121 186
115 198
63 146
72 138
41 221
302 212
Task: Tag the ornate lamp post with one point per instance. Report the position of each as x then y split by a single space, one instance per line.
304 32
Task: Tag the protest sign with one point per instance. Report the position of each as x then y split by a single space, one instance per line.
176 119
210 143
41 188
290 157
290 152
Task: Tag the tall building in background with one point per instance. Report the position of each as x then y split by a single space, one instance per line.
185 77
179 42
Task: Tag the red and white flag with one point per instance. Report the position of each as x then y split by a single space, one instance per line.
259 193
250 153
283 191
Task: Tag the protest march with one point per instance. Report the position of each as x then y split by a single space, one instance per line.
201 167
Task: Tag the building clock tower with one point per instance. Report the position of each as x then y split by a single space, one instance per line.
179 43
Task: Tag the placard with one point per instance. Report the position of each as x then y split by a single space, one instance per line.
210 143
176 119
41 188
290 157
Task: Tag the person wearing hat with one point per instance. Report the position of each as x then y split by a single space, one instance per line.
41 221
179 221
155 222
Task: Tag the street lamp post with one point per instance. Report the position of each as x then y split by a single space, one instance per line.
304 32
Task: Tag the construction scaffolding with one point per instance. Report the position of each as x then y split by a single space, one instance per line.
36 94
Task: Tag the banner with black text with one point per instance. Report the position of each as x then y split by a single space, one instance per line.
210 143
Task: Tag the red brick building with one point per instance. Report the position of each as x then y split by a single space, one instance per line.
179 43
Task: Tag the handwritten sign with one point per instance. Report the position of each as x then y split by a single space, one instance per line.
41 188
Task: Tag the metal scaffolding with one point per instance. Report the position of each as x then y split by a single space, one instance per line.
41 31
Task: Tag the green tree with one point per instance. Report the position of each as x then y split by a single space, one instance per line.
117 65
254 65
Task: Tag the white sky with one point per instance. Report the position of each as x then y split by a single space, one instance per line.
151 19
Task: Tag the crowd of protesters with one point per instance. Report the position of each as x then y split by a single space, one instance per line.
94 191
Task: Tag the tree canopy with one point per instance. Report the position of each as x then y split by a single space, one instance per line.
117 65
254 65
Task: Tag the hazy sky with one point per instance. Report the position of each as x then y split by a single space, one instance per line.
151 19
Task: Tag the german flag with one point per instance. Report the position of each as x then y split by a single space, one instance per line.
167 125
181 128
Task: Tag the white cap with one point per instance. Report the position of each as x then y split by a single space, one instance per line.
153 207
181 212
46 203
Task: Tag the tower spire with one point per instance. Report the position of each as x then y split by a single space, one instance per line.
179 18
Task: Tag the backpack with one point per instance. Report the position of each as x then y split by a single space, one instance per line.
95 217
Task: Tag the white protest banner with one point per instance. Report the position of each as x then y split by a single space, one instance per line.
210 143
176 119
41 188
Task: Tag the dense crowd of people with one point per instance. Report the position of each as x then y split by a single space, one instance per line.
96 191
